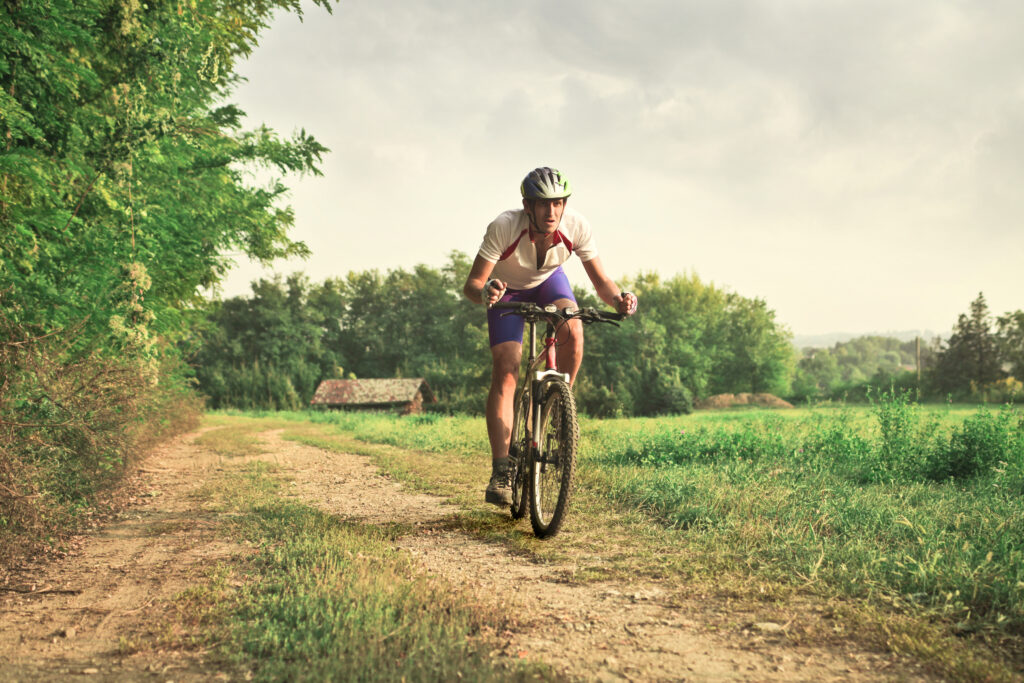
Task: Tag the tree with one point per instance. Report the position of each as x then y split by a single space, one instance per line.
273 348
265 351
756 353
970 359
688 340
122 164
817 374
1010 341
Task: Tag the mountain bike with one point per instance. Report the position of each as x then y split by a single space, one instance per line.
545 431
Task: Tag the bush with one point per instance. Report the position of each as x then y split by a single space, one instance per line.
71 422
978 445
900 452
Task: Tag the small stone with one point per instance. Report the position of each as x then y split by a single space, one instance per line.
90 671
68 632
769 627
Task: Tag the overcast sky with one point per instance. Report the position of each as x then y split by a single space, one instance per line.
857 164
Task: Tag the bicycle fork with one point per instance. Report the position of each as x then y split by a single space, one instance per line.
540 378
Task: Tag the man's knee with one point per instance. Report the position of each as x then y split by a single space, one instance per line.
505 363
571 334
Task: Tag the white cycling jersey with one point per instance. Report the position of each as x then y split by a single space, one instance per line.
508 246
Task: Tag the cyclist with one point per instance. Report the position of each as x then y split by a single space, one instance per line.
521 259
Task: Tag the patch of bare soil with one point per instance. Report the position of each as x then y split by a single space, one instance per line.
84 615
81 611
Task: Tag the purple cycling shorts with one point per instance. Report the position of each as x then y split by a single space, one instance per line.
510 327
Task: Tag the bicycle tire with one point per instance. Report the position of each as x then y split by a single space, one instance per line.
553 464
519 452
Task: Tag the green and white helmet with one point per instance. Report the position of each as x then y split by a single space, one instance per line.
545 183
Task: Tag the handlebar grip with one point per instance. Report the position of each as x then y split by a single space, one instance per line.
513 305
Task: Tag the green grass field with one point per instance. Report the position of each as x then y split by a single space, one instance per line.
908 514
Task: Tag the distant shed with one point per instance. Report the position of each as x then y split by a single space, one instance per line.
402 395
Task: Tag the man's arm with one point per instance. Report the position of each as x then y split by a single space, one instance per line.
607 290
477 280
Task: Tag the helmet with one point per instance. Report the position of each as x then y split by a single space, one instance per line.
545 183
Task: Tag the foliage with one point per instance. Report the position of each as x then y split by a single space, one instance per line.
1010 340
271 350
125 181
120 155
854 368
71 422
982 443
264 351
688 340
983 360
969 360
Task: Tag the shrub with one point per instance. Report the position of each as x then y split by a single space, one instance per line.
833 439
899 453
71 422
979 444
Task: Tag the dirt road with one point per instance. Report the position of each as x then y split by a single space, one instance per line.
83 616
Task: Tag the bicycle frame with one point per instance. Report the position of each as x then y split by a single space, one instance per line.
537 378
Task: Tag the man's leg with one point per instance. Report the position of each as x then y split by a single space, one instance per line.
504 372
569 341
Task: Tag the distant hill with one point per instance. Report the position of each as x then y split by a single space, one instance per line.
822 341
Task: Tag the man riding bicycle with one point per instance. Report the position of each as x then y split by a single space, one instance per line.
521 259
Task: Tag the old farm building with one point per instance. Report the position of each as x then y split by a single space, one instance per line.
402 395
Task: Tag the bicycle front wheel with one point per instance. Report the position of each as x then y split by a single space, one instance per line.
554 462
519 452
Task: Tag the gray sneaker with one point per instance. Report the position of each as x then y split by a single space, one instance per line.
499 488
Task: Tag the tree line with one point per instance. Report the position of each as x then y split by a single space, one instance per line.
689 339
981 360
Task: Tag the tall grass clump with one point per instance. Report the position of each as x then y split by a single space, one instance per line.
983 442
764 439
71 422
898 454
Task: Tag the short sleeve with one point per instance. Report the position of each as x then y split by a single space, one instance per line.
583 239
495 238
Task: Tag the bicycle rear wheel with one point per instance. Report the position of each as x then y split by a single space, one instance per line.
519 452
554 462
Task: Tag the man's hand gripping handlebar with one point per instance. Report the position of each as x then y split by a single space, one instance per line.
492 291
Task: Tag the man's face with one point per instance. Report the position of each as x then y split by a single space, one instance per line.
546 214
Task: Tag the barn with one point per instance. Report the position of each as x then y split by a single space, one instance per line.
404 396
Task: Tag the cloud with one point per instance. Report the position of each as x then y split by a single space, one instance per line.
780 148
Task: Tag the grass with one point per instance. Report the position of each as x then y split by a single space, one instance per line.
909 516
318 598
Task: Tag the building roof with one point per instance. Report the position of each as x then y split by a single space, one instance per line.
370 391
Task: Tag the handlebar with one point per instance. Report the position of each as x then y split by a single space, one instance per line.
531 311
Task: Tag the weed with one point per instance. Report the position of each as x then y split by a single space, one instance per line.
978 445
898 455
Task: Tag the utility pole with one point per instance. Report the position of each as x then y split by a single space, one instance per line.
917 351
